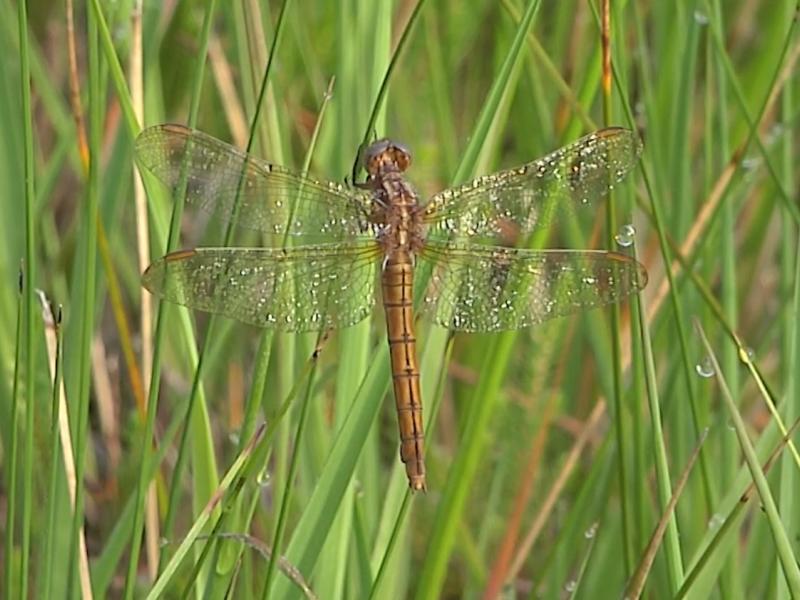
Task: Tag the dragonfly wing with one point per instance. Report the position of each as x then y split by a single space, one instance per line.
302 288
532 195
221 179
478 288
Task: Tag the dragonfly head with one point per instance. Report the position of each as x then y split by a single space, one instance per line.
385 155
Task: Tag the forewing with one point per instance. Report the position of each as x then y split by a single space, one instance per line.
268 198
535 194
303 288
478 288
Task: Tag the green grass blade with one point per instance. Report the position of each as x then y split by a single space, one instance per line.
783 546
227 483
709 85
152 401
29 328
460 480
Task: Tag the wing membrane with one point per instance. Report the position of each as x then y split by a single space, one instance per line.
302 288
476 288
533 195
271 199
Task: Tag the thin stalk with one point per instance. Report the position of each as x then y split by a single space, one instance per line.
115 68
460 480
142 381
672 541
780 537
226 560
11 508
49 546
752 122
89 291
393 539
615 325
283 512
227 488
379 100
28 305
788 502
656 211
152 400
175 487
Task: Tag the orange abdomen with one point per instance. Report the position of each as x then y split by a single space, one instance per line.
396 280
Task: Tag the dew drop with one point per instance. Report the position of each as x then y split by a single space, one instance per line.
747 355
705 368
263 478
716 521
700 17
775 133
625 235
591 532
570 586
751 162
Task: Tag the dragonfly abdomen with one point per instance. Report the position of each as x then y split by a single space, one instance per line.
396 280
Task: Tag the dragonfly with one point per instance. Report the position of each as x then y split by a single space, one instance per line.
329 245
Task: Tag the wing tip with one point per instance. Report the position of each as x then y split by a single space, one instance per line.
150 275
174 128
154 135
642 277
638 272
630 136
154 275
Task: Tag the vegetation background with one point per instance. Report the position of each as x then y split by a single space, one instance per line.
555 455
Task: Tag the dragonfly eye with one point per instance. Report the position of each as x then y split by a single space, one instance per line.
385 155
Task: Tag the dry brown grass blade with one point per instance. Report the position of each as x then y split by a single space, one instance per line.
555 492
152 527
710 206
134 372
636 584
223 76
106 410
530 470
75 89
67 448
605 42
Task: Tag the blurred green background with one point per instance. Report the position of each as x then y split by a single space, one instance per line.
552 457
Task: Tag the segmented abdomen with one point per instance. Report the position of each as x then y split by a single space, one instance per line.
397 278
